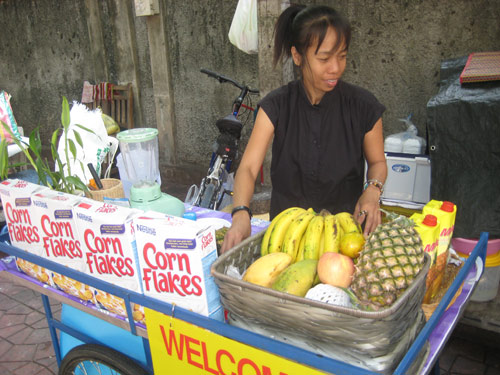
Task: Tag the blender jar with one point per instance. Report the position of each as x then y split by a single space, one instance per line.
139 150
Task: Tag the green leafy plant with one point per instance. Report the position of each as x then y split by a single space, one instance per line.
48 175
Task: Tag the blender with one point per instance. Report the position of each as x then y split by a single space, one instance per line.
139 151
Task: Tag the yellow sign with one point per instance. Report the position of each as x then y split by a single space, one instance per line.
178 347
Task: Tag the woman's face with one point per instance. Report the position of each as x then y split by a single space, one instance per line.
321 70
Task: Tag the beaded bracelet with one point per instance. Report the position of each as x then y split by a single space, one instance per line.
375 183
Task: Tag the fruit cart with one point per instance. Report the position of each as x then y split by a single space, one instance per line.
175 340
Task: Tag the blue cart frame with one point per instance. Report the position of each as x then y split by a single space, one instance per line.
264 343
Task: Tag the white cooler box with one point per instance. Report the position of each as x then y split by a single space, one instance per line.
408 177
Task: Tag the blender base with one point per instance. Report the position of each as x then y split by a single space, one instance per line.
150 198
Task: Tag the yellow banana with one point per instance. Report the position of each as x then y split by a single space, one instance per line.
266 269
347 222
322 243
300 252
324 212
313 237
264 247
332 234
295 232
280 229
341 232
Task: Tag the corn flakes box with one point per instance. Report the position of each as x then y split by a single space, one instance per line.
116 305
73 287
21 215
34 270
57 228
175 256
108 243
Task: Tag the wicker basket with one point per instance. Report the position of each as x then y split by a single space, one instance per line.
374 340
111 188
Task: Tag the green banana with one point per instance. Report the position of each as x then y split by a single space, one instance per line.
297 278
295 232
347 222
280 229
264 247
313 237
332 234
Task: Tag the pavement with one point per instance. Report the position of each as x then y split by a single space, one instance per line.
26 346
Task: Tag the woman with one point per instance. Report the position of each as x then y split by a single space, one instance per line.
322 128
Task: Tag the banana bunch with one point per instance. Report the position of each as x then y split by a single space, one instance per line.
304 234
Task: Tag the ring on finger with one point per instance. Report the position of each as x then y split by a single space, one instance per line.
362 212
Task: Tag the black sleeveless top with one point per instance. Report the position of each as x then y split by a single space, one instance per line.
317 152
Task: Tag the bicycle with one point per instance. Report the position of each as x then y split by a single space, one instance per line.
213 189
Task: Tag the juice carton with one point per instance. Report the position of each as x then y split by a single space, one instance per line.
106 234
427 227
21 215
446 213
175 256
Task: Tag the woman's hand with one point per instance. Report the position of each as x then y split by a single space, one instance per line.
367 209
240 229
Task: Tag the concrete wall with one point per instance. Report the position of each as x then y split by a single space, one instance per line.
49 47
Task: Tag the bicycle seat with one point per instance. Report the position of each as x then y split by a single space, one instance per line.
230 125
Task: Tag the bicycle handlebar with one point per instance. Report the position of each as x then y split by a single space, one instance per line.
223 79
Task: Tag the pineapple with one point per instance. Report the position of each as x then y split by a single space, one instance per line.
391 258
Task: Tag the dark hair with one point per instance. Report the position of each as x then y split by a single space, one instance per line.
300 26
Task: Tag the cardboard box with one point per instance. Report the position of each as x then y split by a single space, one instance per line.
21 216
57 228
408 178
106 234
175 256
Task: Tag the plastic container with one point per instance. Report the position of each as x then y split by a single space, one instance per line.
487 287
408 178
466 245
414 146
393 144
407 142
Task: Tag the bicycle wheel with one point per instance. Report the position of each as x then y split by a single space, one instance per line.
207 196
90 359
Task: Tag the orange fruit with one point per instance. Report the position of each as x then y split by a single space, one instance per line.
351 244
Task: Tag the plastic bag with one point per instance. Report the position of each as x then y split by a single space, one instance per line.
407 142
243 32
7 117
96 142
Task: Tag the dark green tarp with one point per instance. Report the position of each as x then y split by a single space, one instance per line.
463 125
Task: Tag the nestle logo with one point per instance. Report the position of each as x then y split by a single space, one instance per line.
40 204
400 168
84 217
145 229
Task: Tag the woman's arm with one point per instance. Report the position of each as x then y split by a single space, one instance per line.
244 182
367 207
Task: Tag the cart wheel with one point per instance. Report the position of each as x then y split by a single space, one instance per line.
100 360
